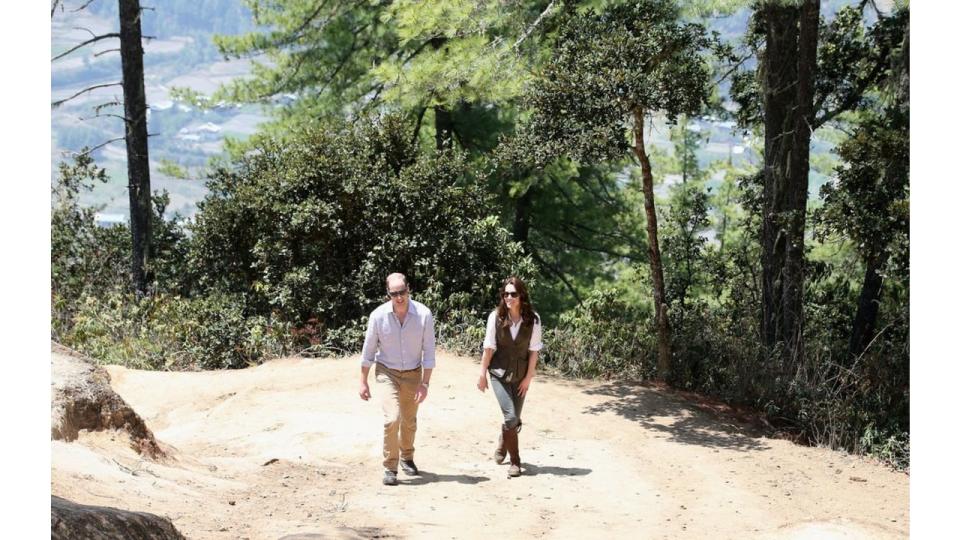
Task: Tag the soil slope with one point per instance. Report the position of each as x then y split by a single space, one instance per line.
287 449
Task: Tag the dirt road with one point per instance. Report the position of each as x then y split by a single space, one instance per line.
599 458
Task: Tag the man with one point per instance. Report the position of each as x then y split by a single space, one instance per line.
401 342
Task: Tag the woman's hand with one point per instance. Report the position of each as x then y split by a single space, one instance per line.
482 383
524 384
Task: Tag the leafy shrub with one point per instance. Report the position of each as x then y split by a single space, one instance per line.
170 332
88 260
603 337
308 228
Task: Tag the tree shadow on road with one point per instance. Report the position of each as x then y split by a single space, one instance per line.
430 478
675 418
534 470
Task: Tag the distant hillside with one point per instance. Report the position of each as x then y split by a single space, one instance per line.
181 54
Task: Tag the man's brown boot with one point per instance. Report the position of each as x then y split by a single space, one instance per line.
512 444
501 452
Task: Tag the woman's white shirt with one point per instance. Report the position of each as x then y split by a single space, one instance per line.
490 340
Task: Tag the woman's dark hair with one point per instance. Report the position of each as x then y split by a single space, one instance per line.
526 307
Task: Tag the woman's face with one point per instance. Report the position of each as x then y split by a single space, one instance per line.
510 296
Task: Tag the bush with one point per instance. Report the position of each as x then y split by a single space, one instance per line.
88 260
603 337
170 332
308 228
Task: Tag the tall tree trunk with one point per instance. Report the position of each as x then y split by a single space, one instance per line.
653 248
135 122
788 75
442 119
443 122
799 179
521 218
865 321
778 71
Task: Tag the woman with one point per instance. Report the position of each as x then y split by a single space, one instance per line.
510 351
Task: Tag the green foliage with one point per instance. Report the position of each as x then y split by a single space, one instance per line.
581 221
870 202
93 308
171 332
289 251
611 63
308 228
684 229
852 56
347 58
603 337
81 261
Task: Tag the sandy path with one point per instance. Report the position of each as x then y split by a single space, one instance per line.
620 460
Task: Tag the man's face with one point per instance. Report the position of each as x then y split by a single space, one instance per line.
398 293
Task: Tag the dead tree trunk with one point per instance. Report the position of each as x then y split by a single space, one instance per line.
135 122
653 248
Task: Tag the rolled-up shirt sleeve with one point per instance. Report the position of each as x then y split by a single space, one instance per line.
536 336
429 343
369 343
490 338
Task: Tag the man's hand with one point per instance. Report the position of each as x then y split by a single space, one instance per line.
364 390
524 384
421 393
482 383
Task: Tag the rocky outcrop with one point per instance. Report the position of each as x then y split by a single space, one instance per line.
69 520
83 399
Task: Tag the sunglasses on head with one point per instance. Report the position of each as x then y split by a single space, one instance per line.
394 294
511 294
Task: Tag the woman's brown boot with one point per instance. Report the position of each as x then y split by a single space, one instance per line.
501 452
512 444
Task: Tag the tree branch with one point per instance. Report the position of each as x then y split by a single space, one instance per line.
418 50
568 243
526 33
84 6
100 107
87 42
733 69
101 145
346 57
108 115
85 90
557 273
416 128
851 99
297 33
105 52
87 30
626 239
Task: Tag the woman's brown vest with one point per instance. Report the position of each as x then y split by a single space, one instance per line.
512 354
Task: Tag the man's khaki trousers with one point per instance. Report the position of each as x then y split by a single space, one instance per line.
397 390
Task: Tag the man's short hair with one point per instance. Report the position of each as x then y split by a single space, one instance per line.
396 275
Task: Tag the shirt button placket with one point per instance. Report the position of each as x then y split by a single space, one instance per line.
400 337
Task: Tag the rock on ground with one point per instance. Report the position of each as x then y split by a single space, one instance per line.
69 520
81 398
